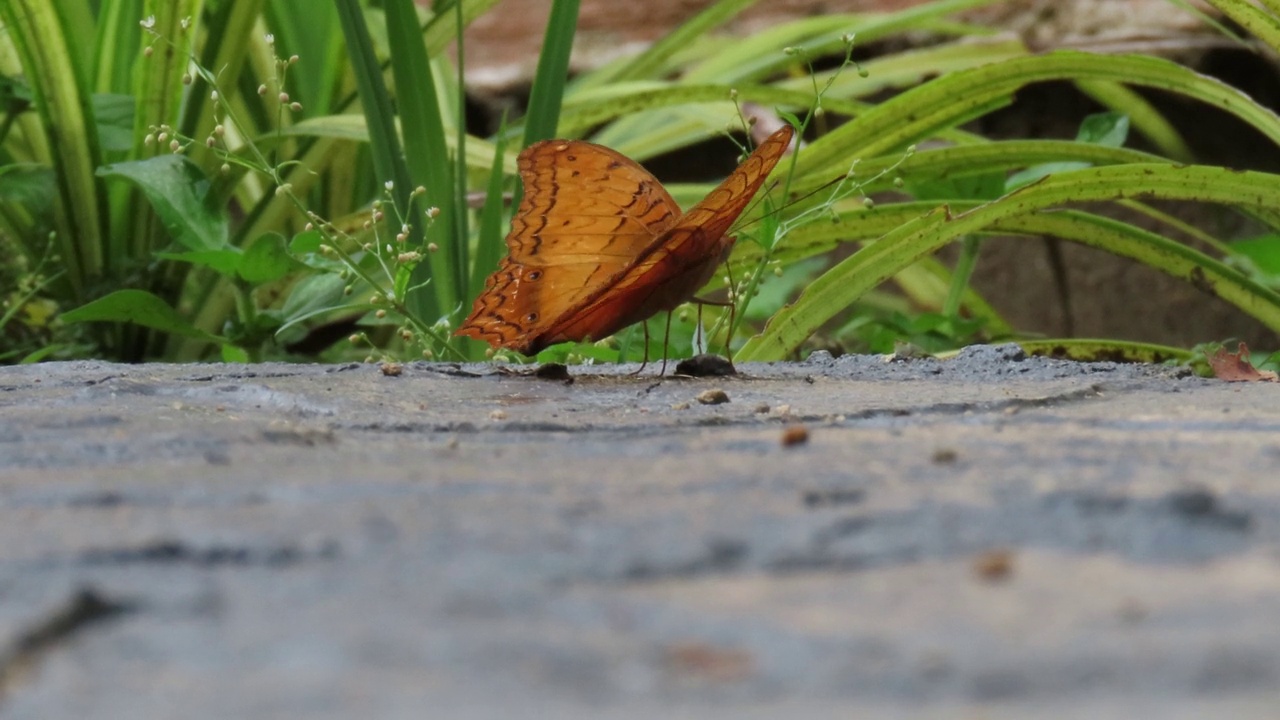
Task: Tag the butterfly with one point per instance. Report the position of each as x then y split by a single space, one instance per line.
598 244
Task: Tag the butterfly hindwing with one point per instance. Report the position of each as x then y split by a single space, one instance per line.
587 212
597 244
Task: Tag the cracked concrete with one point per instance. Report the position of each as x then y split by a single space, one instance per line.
989 536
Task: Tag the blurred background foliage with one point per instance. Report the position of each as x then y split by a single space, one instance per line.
297 179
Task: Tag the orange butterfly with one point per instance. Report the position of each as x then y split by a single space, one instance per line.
598 244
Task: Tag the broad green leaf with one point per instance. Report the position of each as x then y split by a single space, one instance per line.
179 193
1263 252
233 354
140 307
26 203
1106 129
224 261
1109 129
314 295
114 113
306 242
267 259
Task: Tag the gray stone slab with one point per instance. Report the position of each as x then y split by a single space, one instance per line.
987 536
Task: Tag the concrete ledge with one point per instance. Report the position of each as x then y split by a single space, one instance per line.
989 535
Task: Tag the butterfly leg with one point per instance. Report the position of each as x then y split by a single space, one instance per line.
666 337
728 349
645 361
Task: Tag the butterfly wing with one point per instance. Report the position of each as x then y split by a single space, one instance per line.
586 214
678 263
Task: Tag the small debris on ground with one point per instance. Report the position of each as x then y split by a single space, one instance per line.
945 456
553 371
1235 367
705 366
1132 610
794 435
714 396
391 369
498 415
708 662
832 497
994 565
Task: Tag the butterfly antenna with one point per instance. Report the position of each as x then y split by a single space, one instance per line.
796 201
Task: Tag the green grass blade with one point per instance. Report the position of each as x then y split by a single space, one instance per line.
355 128
116 45
42 38
649 63
489 245
309 30
553 71
426 150
588 110
1104 350
762 54
897 249
1259 23
230 31
847 281
375 100
388 161
441 30
951 99
158 90
902 70
1157 252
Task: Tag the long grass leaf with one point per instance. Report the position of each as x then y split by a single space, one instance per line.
900 247
489 245
951 99
229 29
1262 25
62 98
388 161
762 54
647 64
116 45
441 30
549 80
426 150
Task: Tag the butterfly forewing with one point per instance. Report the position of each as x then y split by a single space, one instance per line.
586 214
597 244
681 261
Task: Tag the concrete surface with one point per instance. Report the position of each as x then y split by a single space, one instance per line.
990 536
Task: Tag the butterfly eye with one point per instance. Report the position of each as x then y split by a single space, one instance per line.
535 275
531 318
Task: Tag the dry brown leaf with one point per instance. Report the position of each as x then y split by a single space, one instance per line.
1235 366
